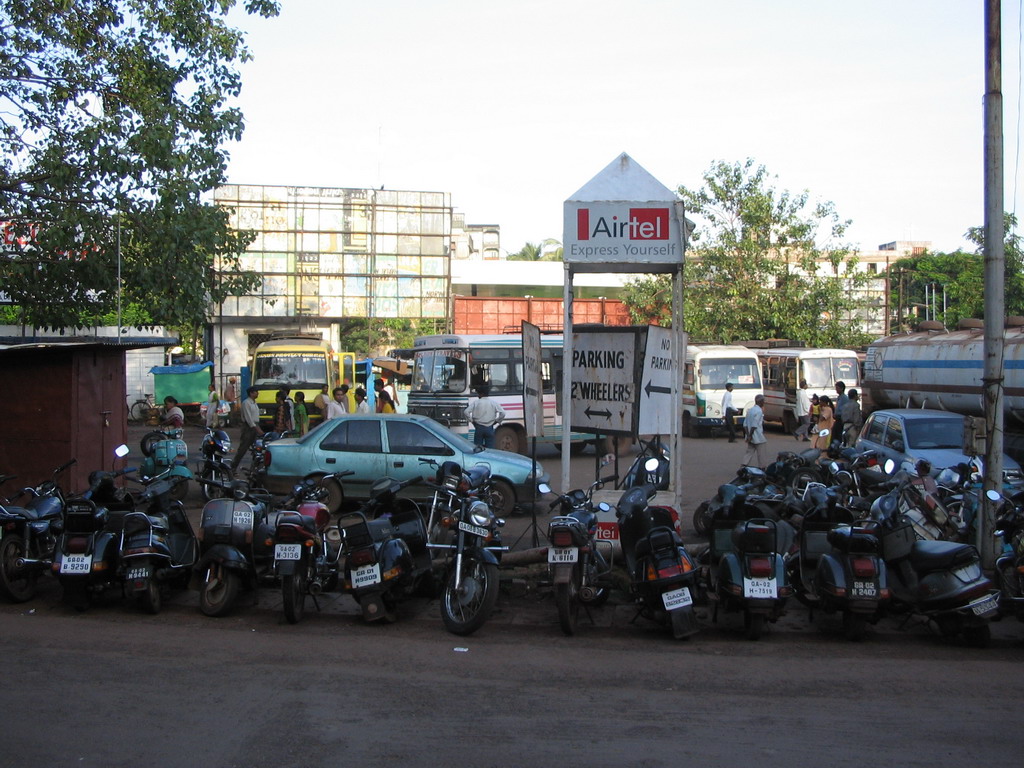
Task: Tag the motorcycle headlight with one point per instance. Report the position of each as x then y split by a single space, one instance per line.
480 513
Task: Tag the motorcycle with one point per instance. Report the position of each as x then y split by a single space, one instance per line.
28 536
662 574
650 467
165 454
215 447
851 579
305 554
941 581
385 549
578 569
1009 570
470 589
86 556
751 485
157 546
236 538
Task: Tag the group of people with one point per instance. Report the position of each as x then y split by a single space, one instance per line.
827 421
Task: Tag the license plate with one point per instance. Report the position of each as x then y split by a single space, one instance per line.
563 554
138 573
984 606
76 564
760 588
242 517
476 530
677 598
366 576
864 589
287 551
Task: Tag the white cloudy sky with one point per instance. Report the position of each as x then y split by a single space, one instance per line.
512 106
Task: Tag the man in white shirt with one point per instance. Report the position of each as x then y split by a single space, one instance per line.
485 415
251 428
729 411
339 405
757 443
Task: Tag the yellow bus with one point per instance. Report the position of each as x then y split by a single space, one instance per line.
299 363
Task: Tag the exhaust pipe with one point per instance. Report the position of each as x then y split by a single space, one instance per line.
27 562
315 588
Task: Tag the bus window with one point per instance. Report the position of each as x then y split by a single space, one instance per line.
440 372
789 377
818 372
495 367
845 370
715 373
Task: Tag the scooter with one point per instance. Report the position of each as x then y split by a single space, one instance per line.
305 553
165 454
385 550
578 568
157 545
86 556
28 536
650 467
215 447
236 537
662 574
851 579
941 581
1009 570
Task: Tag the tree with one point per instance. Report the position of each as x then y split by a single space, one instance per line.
113 117
958 279
549 250
756 269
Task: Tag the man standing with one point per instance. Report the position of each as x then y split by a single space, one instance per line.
757 444
853 418
251 428
339 405
840 404
486 415
729 412
803 411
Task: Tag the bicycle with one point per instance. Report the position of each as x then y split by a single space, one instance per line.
140 410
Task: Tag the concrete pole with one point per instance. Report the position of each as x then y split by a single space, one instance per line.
994 274
567 375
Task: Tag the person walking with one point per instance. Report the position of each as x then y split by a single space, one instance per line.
251 428
213 408
753 427
730 412
853 418
283 413
826 420
803 411
485 415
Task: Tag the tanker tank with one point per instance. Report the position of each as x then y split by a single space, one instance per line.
938 368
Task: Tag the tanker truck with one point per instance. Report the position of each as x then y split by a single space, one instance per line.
938 368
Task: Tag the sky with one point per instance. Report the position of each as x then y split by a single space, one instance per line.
875 106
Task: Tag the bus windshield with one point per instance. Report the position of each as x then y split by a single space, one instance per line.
824 372
744 373
294 369
440 371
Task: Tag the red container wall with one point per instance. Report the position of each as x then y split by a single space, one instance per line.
474 314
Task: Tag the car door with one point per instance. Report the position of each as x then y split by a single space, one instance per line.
411 448
873 434
352 444
894 441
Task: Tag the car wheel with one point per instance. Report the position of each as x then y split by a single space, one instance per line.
503 498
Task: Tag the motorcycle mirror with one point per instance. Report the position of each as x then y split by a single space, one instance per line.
121 451
544 488
651 464
889 466
992 495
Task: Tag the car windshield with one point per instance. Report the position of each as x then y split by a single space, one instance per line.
440 371
923 434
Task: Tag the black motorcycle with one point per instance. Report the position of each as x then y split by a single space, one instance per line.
215 447
28 536
385 549
1009 571
578 569
157 546
461 515
662 574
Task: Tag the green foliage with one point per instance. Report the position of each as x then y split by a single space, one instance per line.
113 117
756 269
549 250
961 275
377 338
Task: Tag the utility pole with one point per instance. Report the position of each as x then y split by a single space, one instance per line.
994 275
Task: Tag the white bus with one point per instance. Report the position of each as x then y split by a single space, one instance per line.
447 368
709 367
784 368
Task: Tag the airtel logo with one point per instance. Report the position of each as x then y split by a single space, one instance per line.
641 224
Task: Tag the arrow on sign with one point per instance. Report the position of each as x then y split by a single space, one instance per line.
654 388
591 414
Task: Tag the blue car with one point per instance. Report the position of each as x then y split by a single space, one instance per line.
401 446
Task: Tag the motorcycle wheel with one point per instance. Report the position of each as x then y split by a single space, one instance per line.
211 492
149 599
855 626
149 440
218 591
800 479
753 625
16 583
601 595
465 610
293 593
567 598
702 517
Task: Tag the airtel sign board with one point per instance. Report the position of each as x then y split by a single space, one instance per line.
622 220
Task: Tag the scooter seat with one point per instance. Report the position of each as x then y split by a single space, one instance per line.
294 518
928 556
380 529
659 538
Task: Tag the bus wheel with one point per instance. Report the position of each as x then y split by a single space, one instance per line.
507 439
